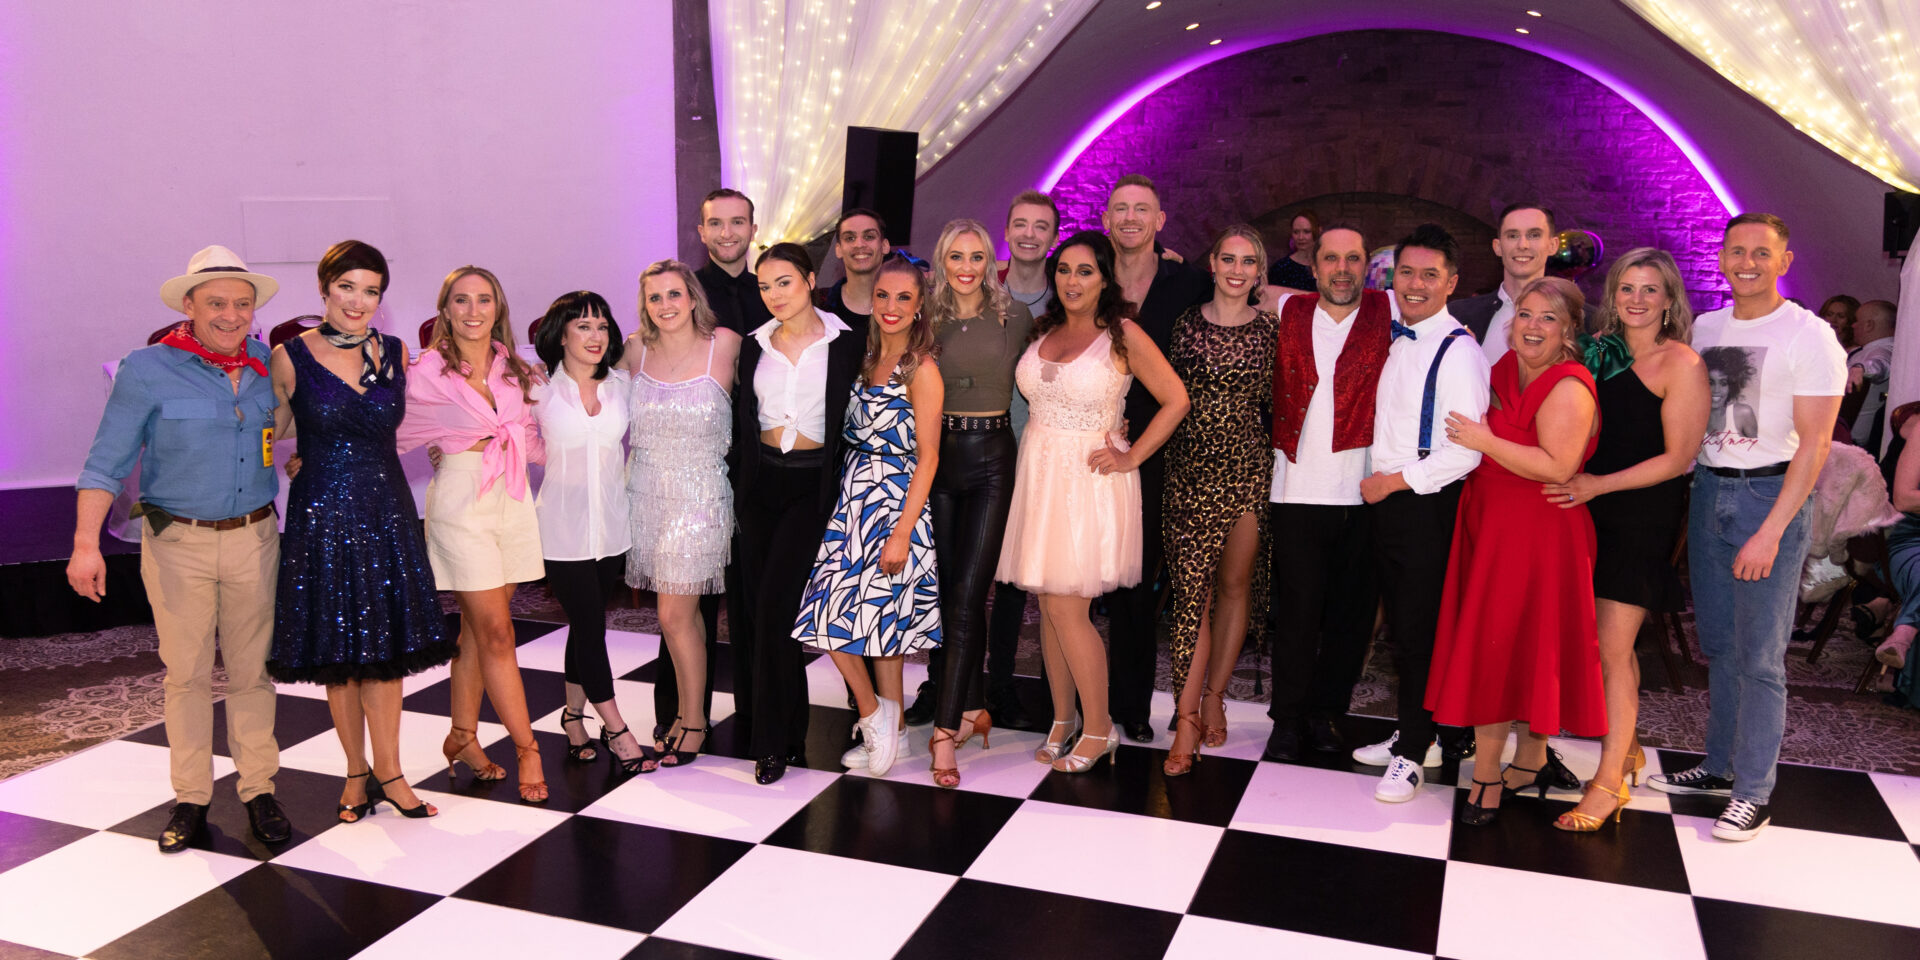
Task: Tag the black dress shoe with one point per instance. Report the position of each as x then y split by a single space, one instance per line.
1456 745
1008 712
921 713
269 821
1323 736
768 770
1139 731
185 824
1283 743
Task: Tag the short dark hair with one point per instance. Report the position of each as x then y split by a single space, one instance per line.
1336 225
788 252
350 255
722 194
570 307
1134 180
1765 219
1524 205
849 214
1037 199
1431 236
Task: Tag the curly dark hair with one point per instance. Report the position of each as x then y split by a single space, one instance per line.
1109 311
1732 363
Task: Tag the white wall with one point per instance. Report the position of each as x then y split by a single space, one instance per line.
533 139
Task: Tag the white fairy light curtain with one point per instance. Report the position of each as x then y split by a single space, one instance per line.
791 75
1844 72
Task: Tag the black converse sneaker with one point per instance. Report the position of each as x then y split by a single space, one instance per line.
1741 820
1693 780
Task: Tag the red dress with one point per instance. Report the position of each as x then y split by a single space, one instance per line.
1516 638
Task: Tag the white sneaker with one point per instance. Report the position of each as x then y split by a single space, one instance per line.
1380 754
879 734
1399 783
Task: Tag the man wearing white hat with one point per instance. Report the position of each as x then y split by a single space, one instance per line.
196 411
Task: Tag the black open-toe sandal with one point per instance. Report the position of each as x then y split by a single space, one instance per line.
583 752
629 766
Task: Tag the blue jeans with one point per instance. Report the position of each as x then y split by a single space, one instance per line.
1903 569
1743 626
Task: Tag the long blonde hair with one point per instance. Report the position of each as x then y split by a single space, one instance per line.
1678 322
921 345
518 372
704 319
941 307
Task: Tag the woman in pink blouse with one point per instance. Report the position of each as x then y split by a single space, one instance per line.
468 396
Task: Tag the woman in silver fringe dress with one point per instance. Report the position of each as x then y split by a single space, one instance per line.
682 504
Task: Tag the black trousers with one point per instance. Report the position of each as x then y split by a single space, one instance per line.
666 679
580 587
781 524
1413 537
1324 594
972 493
1003 635
1133 613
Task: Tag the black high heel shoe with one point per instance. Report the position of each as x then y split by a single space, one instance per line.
1476 815
629 766
361 810
673 756
419 811
583 752
1556 774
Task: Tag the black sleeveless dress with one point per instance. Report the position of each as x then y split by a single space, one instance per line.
1635 530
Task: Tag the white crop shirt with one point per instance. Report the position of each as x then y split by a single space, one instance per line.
582 503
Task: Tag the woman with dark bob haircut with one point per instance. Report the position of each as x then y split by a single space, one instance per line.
356 608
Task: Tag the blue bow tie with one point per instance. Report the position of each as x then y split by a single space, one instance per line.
1401 330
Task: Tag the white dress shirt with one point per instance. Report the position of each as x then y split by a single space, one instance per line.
582 503
793 396
1461 388
1498 327
1321 476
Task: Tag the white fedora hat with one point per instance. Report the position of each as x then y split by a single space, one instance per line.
215 263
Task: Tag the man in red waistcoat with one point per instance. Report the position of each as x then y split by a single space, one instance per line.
1333 344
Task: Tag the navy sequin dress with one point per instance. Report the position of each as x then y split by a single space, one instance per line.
356 598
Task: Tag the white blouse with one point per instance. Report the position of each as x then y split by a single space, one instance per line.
793 396
582 504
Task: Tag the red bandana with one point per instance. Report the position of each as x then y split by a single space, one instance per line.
182 338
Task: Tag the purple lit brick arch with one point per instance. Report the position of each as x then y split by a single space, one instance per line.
1392 127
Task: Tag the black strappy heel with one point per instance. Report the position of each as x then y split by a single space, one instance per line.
418 811
673 756
1476 815
628 765
578 753
361 810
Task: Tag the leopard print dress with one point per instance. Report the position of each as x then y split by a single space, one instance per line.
1219 467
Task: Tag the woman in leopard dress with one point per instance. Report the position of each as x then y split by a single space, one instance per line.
1219 471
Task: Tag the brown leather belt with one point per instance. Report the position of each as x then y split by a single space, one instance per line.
230 523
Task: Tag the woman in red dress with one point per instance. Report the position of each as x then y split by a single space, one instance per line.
1516 639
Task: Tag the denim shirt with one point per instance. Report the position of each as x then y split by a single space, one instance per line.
199 445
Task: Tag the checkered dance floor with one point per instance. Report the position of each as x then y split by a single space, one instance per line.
1242 858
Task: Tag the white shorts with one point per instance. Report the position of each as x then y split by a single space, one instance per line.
479 541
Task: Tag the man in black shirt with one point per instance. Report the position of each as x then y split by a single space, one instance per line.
860 241
1163 289
726 227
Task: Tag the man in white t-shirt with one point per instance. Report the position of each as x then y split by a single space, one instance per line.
1775 373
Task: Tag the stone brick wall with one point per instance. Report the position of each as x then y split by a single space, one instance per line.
1391 128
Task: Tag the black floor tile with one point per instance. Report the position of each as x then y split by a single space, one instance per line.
546 692
978 919
24 838
274 911
607 872
1641 850
829 734
655 948
1132 782
1805 798
571 787
311 801
17 951
295 719
1328 897
904 824
1743 931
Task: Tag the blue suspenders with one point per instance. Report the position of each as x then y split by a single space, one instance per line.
1426 399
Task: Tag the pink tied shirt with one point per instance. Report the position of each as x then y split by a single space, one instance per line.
444 411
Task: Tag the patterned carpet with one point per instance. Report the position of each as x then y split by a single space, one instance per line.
67 692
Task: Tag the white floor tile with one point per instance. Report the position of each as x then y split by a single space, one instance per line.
1006 770
1118 857
1204 938
1331 806
827 688
714 796
636 710
421 735
1493 913
792 915
103 785
1902 795
626 651
436 855
93 891
452 928
1247 729
1804 870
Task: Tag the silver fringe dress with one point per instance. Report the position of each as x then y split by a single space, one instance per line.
677 478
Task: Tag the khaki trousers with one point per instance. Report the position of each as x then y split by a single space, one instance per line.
204 583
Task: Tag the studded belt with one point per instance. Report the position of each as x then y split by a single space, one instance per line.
969 424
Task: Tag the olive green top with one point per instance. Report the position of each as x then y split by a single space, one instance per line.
977 356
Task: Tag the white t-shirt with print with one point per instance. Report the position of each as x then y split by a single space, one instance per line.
1754 370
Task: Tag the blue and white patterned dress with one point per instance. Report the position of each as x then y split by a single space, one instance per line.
849 604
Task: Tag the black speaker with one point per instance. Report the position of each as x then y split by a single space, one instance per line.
1903 219
880 169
